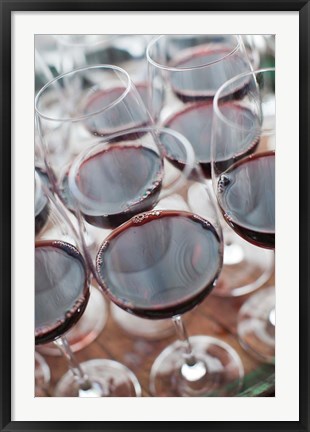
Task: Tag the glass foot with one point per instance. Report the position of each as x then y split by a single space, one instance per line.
256 325
88 327
109 379
245 268
42 376
217 372
144 328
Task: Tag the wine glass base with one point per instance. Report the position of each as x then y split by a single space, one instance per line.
256 326
110 378
87 328
42 375
218 371
141 327
245 268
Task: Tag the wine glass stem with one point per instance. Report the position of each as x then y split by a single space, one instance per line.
183 336
82 379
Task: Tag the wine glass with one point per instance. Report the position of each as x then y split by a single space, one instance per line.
244 184
187 70
95 316
71 118
163 262
62 290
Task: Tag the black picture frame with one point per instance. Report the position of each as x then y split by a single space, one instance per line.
9 6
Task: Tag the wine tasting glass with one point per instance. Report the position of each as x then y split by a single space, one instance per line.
243 172
62 290
186 70
94 318
70 118
163 262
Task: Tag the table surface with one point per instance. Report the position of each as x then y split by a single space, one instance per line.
215 316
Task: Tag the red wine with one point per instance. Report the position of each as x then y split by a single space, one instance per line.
195 123
246 194
202 83
127 114
160 264
121 182
61 289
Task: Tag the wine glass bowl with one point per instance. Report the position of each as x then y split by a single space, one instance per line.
245 183
197 65
104 102
129 165
91 323
148 246
188 70
58 264
245 191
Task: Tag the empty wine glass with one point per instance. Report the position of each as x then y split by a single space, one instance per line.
244 184
163 262
62 290
186 70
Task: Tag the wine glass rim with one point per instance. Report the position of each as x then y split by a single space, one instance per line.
90 151
89 115
184 69
216 108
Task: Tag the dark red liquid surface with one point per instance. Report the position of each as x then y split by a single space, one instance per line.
61 289
195 123
128 113
160 264
202 83
246 194
121 182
